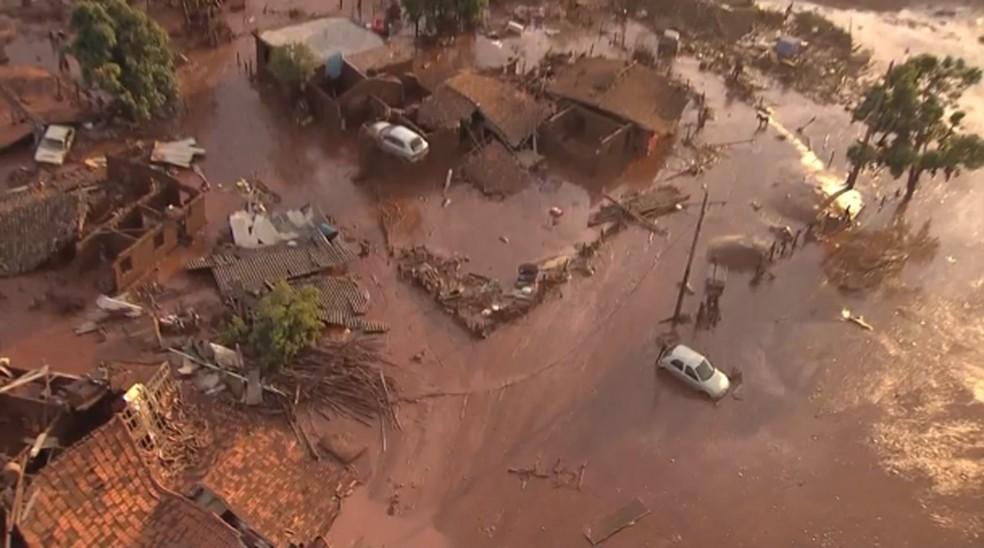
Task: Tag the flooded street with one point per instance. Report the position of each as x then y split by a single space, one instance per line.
836 435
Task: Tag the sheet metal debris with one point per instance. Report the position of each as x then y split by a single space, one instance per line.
252 228
177 153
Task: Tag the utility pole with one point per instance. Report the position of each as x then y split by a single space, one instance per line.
690 261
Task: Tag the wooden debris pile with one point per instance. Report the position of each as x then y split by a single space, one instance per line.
479 303
641 207
560 475
341 378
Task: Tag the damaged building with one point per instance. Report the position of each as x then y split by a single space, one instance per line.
359 75
248 485
120 229
469 107
141 216
610 110
160 213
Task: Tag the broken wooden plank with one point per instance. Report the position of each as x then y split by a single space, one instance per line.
26 378
624 517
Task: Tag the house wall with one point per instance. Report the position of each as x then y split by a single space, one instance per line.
262 56
356 103
325 108
590 140
134 254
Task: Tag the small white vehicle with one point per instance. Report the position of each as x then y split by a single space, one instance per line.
399 141
54 145
695 370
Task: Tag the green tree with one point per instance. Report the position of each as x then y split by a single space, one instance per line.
444 16
292 65
913 122
284 324
126 54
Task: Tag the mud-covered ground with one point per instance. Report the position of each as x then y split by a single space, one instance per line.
837 436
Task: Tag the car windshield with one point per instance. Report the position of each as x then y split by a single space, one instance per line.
52 143
704 370
416 144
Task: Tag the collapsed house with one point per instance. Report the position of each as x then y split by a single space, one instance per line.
120 228
141 216
469 106
250 485
610 108
296 246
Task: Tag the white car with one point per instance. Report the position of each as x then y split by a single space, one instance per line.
399 141
695 370
54 145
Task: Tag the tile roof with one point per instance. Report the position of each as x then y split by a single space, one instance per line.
100 492
633 92
445 108
513 113
266 477
343 303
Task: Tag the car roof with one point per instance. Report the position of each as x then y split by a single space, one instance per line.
687 355
403 134
57 132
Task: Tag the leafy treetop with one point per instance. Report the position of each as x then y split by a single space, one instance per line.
126 54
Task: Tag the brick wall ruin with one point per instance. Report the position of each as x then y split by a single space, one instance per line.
141 234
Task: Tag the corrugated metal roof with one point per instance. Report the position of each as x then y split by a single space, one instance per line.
325 37
251 270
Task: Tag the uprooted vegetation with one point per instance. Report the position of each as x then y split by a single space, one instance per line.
866 259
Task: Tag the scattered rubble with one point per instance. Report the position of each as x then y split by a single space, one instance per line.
495 171
642 207
729 39
560 475
478 302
